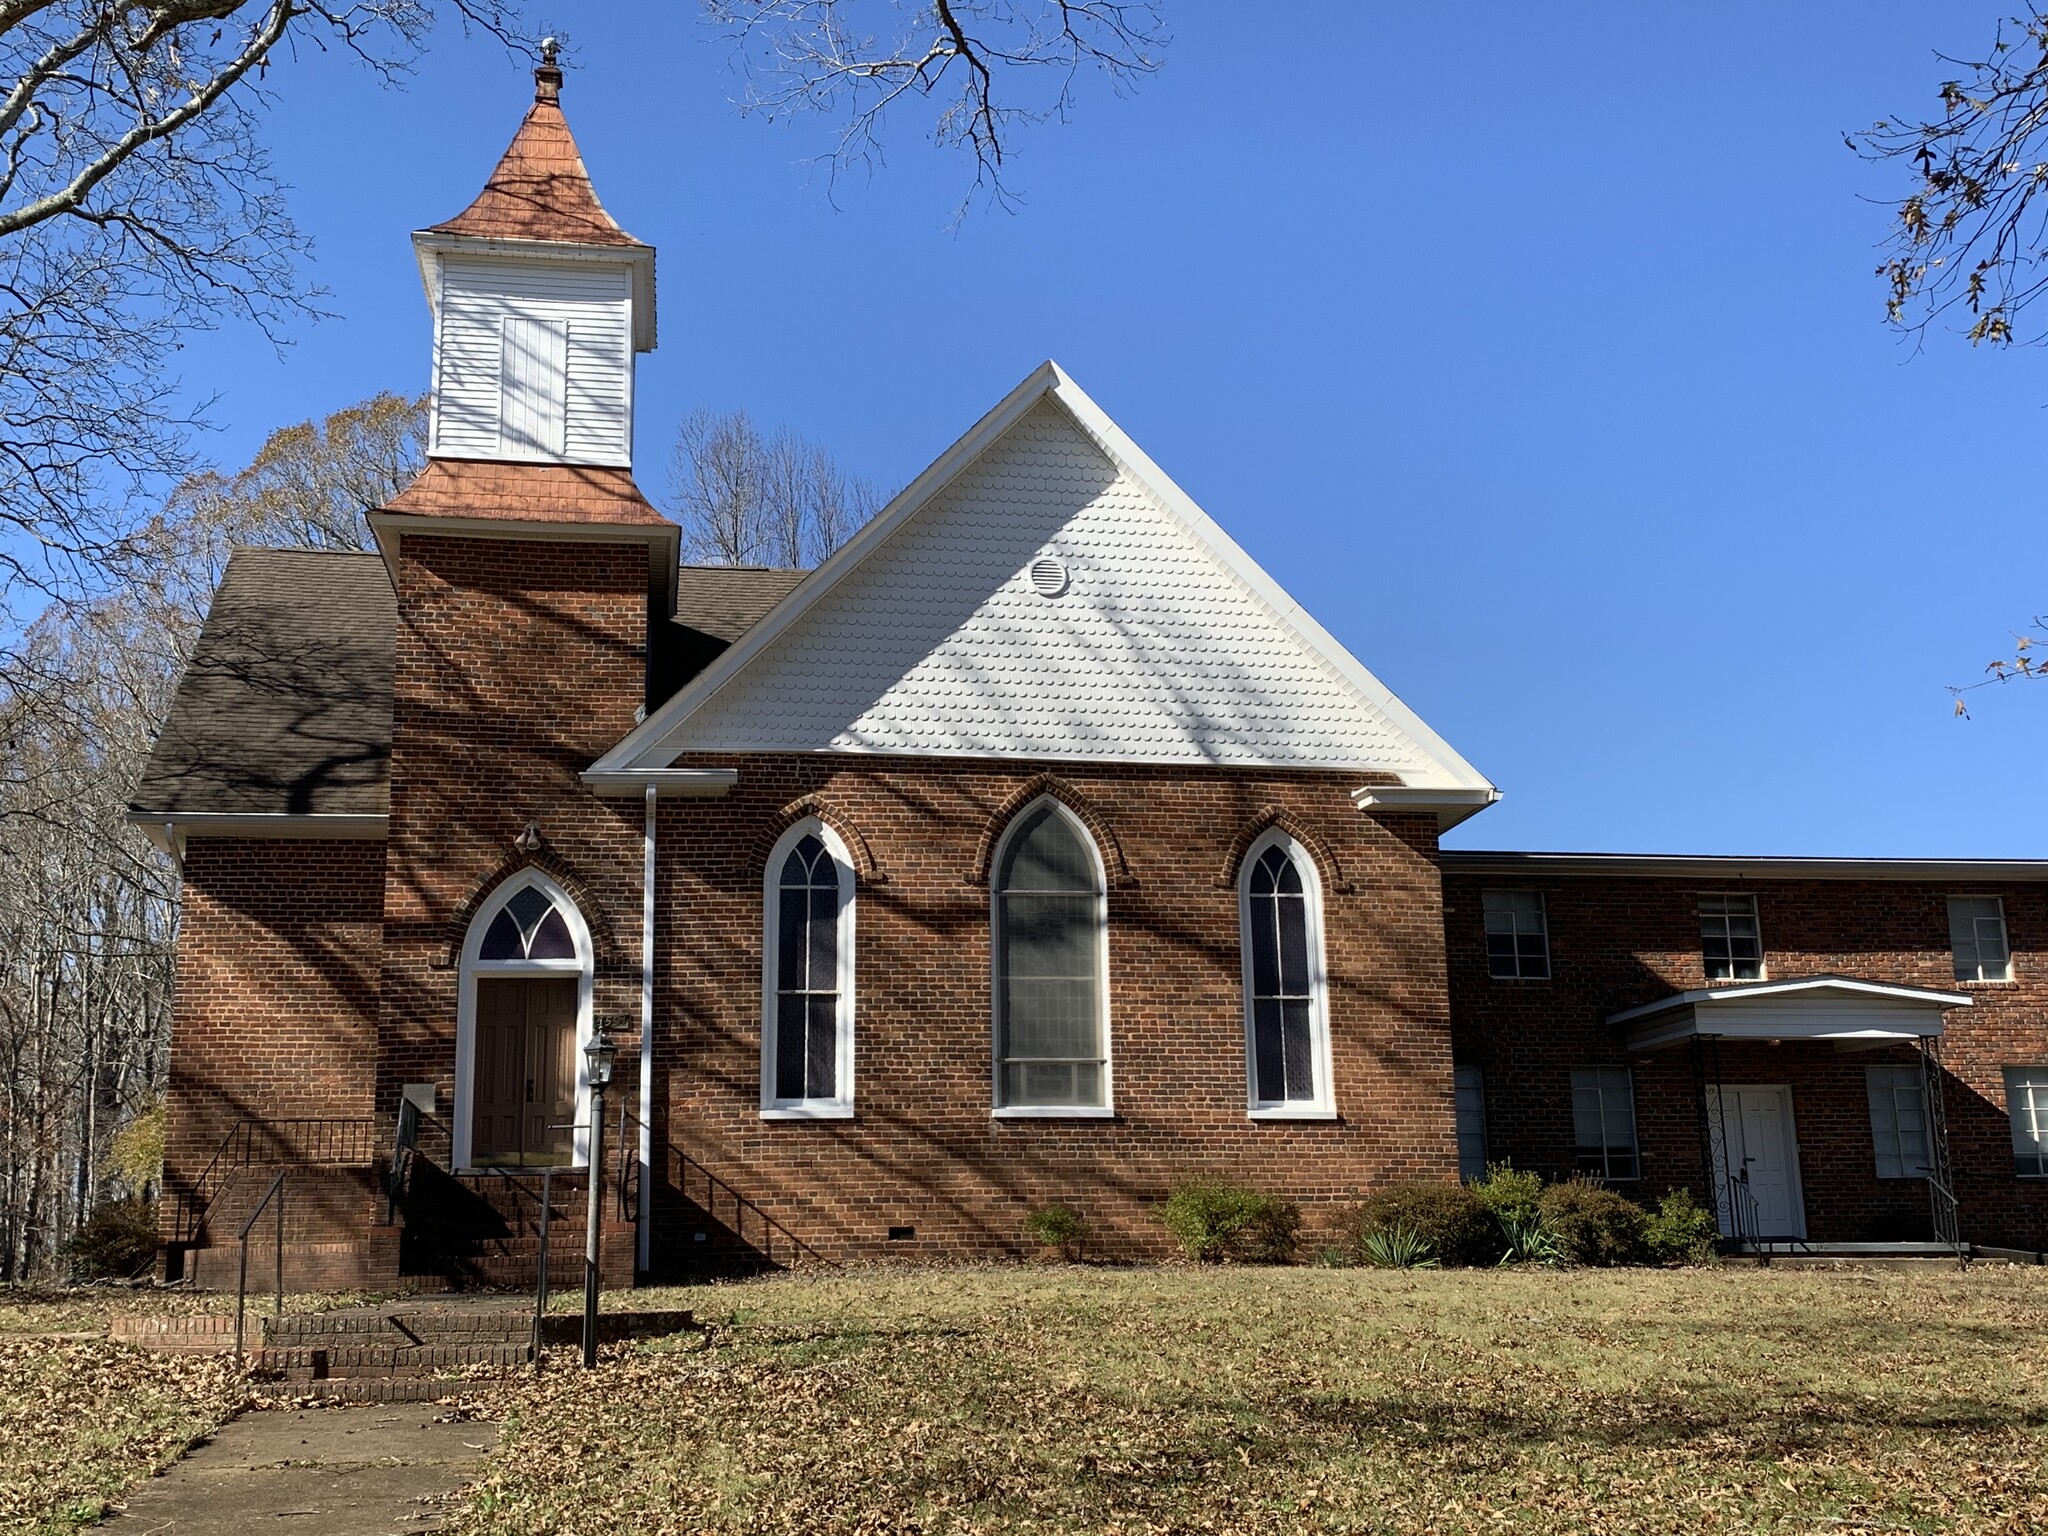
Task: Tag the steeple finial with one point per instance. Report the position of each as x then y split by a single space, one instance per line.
547 80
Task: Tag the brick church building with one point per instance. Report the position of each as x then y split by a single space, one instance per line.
1035 847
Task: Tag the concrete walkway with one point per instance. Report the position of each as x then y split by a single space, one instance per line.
313 1472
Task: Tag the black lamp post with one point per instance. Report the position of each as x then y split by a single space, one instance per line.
599 1055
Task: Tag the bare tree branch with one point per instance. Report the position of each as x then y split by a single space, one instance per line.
989 67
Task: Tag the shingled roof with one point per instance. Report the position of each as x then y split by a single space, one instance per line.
540 190
285 707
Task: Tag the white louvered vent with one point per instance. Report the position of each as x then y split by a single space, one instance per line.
1048 577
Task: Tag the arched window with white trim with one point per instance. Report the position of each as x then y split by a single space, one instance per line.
807 977
1286 1003
523 1016
1049 925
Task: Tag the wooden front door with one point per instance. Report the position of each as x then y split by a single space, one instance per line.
525 1099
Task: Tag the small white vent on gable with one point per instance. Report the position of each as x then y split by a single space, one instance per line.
1048 576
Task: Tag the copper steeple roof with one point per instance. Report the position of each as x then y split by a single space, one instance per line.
540 190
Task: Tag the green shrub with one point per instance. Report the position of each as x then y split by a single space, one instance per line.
1594 1225
118 1242
1448 1218
1509 1193
1527 1240
1215 1221
1059 1226
1397 1246
1682 1231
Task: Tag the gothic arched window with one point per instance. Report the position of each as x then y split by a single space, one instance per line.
530 927
807 996
1286 1032
1052 1037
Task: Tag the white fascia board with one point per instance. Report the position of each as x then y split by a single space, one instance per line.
1451 805
165 827
1911 1025
667 783
645 744
429 246
1751 990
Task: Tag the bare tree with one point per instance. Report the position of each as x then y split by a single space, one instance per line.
989 67
88 907
1971 233
136 205
744 499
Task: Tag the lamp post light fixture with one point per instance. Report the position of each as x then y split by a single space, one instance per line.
598 1056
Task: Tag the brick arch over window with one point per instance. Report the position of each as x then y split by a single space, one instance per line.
1263 820
866 867
1118 872
604 942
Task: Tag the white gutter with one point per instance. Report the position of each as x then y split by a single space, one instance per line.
669 783
167 828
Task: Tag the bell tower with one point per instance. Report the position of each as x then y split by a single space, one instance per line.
541 303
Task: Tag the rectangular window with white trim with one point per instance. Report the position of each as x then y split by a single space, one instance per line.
1898 1120
1731 942
1517 935
1604 1122
2026 1100
1976 935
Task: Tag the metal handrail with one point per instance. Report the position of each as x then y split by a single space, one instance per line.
741 1205
299 1139
274 1193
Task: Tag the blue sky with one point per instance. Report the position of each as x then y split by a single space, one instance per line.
1536 349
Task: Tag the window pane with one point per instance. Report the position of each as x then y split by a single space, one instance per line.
1604 1121
1731 943
821 1052
791 947
1265 940
1298 1051
1267 1051
791 1013
502 940
1471 1115
1976 928
824 938
1049 957
1517 935
2026 1101
1898 1121
1293 944
551 940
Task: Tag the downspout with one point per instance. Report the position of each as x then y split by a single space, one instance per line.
647 1032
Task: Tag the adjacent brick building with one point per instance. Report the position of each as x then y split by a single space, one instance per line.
1035 847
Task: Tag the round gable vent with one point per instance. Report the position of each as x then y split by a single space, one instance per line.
1048 577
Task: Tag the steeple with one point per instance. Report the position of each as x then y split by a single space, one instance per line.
540 302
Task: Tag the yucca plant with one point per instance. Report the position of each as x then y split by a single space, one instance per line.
1528 1239
1397 1246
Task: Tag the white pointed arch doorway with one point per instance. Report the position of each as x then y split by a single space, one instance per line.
522 1018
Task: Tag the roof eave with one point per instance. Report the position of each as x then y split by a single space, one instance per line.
430 245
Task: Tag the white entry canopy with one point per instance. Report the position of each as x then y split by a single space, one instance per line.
1837 1008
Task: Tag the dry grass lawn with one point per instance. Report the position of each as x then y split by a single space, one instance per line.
1302 1400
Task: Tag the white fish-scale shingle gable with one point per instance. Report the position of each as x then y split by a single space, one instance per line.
929 635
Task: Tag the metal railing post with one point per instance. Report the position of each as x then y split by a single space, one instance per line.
540 1299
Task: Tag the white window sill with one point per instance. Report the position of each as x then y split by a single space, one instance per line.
1053 1112
1990 981
810 1112
1306 1112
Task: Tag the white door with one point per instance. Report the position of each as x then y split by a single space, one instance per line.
1763 1160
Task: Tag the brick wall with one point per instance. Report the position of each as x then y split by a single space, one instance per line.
923 1151
517 664
1618 941
276 989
